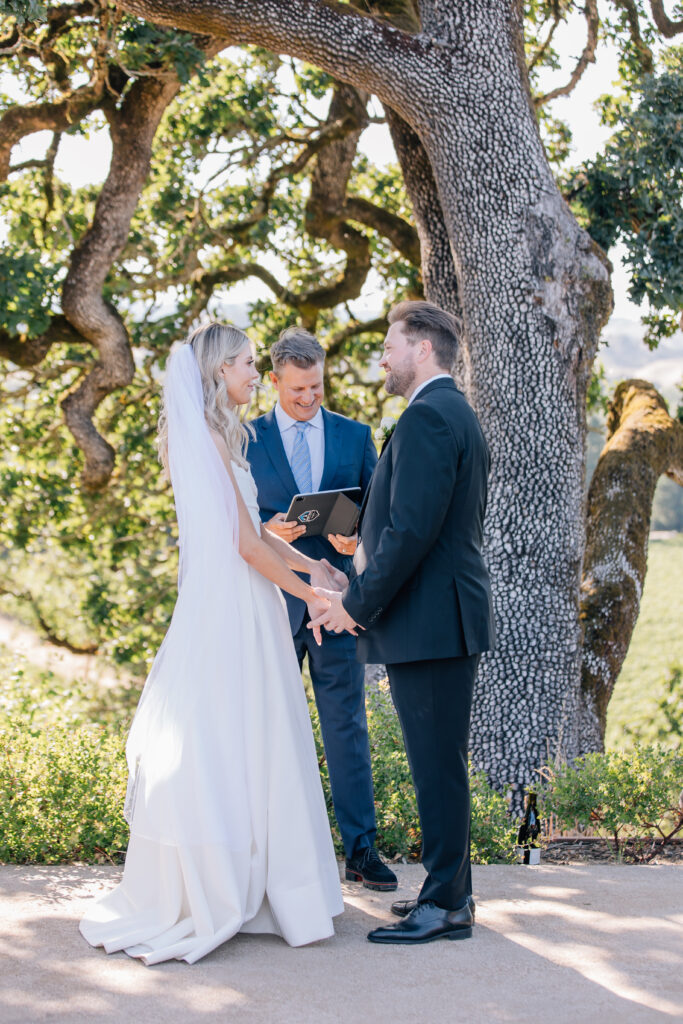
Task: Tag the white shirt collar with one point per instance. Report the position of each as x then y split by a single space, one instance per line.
423 385
286 422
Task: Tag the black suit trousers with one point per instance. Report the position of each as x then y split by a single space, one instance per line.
433 700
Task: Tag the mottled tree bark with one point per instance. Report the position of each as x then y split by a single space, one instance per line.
532 291
643 442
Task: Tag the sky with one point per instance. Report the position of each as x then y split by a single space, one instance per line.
82 161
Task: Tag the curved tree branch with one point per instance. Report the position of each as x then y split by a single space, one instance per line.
642 49
586 58
50 634
57 116
668 28
133 126
398 231
643 443
27 352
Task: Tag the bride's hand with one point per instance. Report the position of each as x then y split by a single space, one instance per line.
324 576
317 606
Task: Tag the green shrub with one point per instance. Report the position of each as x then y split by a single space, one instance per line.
63 778
623 795
61 795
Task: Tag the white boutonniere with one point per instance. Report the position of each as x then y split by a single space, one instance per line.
385 429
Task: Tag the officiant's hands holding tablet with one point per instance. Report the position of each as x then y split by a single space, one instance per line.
283 529
344 545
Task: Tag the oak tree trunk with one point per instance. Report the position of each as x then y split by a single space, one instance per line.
643 442
532 291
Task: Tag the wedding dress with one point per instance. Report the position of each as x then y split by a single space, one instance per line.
229 830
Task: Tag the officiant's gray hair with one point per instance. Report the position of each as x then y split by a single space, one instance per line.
425 320
296 345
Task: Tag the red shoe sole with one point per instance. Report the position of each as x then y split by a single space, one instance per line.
354 876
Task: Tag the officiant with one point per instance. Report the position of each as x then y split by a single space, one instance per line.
300 447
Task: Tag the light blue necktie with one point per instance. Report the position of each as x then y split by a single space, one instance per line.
301 460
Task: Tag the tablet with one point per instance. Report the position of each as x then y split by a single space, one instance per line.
326 512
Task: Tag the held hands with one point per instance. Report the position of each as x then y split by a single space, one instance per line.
317 608
286 531
344 545
334 617
335 578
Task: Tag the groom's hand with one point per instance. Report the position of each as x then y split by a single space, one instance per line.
335 618
317 606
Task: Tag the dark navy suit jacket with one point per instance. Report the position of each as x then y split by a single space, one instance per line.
350 458
419 583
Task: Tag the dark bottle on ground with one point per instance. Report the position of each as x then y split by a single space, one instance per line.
529 831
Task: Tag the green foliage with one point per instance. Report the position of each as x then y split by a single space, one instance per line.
662 721
63 775
24 10
621 795
597 399
147 47
27 291
637 708
633 191
61 795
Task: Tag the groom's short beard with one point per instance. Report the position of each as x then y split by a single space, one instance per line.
400 380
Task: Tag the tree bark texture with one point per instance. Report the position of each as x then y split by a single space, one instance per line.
532 291
643 443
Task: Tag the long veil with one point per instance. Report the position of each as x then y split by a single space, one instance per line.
173 760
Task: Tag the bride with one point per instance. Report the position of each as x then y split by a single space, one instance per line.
228 825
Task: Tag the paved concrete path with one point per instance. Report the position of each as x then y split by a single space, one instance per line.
552 944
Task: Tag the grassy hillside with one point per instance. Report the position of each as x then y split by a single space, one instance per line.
656 647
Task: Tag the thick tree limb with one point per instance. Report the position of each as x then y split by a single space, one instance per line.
133 126
57 116
355 48
668 28
398 231
27 352
48 630
643 443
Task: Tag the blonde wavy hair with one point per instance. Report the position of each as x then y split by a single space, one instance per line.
213 345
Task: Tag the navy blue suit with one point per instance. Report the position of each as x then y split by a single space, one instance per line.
337 676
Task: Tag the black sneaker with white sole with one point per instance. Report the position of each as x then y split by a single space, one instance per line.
368 867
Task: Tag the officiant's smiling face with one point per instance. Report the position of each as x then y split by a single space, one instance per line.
399 360
300 389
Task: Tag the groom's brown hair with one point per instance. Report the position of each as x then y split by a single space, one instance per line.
425 320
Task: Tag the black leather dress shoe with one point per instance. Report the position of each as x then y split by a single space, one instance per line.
369 868
426 923
404 907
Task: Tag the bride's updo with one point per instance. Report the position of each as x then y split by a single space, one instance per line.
213 345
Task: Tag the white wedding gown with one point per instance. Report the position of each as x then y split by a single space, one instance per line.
229 830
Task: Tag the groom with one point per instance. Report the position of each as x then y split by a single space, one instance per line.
299 448
420 598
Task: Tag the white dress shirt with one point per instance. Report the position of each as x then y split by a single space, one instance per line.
420 387
315 436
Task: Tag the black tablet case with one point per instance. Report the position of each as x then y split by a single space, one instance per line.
326 512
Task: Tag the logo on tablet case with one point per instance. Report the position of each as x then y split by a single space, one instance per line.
308 517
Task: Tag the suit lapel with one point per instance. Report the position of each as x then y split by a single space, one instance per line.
332 449
364 503
272 443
